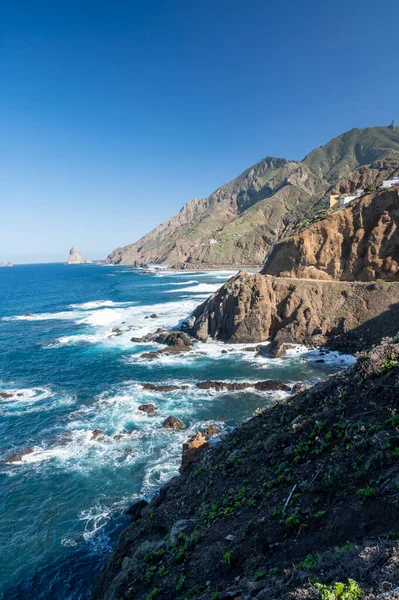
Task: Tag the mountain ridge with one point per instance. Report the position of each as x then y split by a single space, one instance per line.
241 221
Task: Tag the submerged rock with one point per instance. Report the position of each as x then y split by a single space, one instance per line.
173 423
163 388
18 456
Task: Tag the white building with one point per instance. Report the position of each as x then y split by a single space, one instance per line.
390 182
345 199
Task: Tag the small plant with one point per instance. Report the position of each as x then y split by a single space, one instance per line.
320 514
258 575
152 594
227 557
390 363
180 583
367 492
309 563
340 591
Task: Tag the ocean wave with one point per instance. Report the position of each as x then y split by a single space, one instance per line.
99 304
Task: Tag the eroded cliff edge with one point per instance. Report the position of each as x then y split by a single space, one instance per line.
358 243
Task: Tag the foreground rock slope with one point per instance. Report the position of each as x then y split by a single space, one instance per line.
358 243
254 308
303 495
241 221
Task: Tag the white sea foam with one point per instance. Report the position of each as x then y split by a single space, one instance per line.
99 304
201 288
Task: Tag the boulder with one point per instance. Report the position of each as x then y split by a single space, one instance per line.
299 387
173 423
147 408
191 449
177 339
186 526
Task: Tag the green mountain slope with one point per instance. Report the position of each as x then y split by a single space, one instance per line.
243 219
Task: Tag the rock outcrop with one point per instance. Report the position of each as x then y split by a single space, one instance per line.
242 220
77 258
357 243
255 308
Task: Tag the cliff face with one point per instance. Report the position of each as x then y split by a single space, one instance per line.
358 243
255 308
242 220
76 258
304 492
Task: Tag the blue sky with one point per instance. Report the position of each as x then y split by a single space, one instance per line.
114 114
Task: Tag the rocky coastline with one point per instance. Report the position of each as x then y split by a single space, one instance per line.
301 499
301 496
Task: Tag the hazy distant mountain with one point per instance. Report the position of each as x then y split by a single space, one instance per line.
241 221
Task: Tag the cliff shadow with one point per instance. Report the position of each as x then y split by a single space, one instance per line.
363 337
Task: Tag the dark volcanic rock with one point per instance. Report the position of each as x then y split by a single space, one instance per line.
299 387
222 385
136 508
96 434
147 408
176 339
163 388
261 386
17 456
173 423
5 395
271 385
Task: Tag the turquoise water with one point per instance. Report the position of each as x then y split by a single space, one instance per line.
67 374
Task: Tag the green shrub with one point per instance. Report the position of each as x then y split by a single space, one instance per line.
340 591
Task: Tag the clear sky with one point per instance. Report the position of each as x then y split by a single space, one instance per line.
114 113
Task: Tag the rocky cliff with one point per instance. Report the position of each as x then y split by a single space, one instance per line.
255 308
358 243
297 503
241 221
76 258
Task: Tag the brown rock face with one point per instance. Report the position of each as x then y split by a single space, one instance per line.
191 449
254 308
358 243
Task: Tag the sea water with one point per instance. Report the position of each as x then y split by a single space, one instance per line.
65 371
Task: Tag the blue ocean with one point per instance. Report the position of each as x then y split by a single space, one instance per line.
68 367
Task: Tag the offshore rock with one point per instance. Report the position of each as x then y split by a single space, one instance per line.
76 258
173 423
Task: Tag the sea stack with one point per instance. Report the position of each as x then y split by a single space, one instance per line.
76 258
